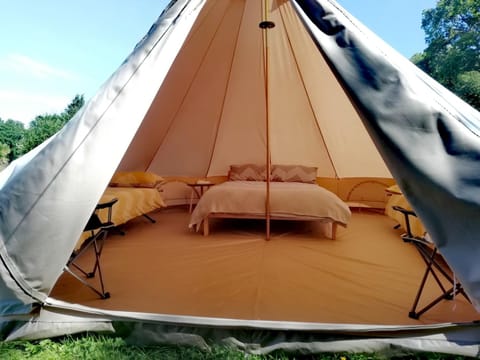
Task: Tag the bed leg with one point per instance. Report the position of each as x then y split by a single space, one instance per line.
334 230
205 227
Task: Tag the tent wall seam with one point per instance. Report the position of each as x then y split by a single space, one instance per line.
307 94
212 151
190 39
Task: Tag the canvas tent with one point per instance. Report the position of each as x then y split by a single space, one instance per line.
194 96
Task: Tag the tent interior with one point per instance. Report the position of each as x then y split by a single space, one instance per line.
367 275
236 95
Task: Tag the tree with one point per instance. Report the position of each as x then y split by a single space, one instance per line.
11 134
468 87
44 126
452 56
72 108
4 151
40 129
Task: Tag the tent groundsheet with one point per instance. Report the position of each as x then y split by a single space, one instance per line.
325 294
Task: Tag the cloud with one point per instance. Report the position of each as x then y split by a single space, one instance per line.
25 106
26 65
30 88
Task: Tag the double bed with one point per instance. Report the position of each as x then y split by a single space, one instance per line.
288 201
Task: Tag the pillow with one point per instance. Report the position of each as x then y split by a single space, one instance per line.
248 172
136 179
294 173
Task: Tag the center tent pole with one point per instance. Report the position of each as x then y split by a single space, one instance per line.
265 25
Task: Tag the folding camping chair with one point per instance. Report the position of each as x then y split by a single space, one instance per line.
435 266
97 233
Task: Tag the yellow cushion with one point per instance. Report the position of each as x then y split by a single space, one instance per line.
136 179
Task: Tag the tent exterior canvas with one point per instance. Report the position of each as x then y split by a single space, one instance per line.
207 88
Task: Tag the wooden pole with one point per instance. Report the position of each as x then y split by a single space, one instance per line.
265 25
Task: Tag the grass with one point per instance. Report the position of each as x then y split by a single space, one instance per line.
101 347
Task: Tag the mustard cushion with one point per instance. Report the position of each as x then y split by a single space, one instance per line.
136 179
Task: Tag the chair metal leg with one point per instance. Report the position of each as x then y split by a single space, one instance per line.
97 243
102 294
432 267
429 254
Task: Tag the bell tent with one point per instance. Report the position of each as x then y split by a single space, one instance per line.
216 83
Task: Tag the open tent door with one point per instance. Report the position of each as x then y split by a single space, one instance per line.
191 100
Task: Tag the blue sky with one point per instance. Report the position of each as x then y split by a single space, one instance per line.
51 50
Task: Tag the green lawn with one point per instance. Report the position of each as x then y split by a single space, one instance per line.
100 347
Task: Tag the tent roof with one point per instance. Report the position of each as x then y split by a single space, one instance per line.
212 108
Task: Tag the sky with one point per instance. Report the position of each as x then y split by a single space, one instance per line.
52 50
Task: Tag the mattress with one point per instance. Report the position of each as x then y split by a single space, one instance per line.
289 200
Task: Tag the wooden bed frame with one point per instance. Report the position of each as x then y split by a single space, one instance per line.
206 225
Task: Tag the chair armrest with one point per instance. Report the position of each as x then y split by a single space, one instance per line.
404 211
106 204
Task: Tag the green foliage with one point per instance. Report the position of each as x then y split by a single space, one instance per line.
72 108
468 86
11 134
4 152
102 347
107 348
452 57
40 129
44 126
15 140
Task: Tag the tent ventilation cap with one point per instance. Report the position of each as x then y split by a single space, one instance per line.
266 25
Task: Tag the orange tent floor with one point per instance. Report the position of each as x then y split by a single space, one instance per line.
368 275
